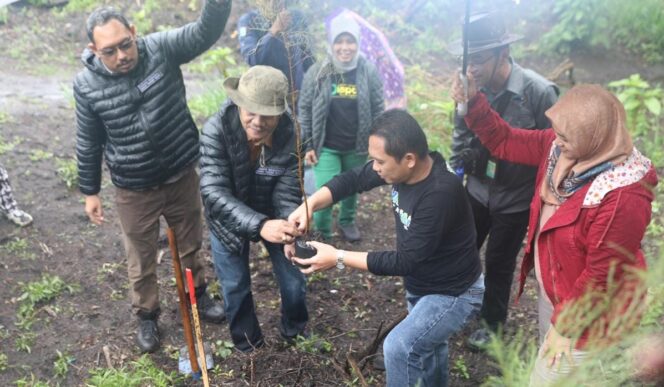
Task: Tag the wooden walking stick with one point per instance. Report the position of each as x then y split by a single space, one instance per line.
184 310
197 327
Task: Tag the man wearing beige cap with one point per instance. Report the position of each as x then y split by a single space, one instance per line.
249 187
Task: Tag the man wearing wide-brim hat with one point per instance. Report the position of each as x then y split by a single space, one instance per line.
249 185
499 191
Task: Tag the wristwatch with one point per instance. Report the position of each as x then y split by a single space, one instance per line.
340 259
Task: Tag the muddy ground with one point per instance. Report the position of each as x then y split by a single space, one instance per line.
38 63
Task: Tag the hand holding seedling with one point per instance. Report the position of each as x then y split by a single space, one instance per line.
325 258
279 231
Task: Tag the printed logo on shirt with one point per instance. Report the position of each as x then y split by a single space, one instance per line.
344 90
270 171
243 32
404 217
150 81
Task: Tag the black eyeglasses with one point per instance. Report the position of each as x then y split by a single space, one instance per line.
124 46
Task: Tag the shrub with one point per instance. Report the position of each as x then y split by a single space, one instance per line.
68 171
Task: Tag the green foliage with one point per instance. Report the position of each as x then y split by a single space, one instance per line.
205 105
581 24
24 341
142 18
4 118
38 154
313 344
4 15
82 5
3 362
38 3
32 382
68 171
461 368
429 103
655 310
643 106
38 292
639 26
223 348
220 59
515 360
7 146
19 248
315 277
142 372
61 364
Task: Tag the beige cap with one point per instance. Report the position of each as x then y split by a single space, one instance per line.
261 90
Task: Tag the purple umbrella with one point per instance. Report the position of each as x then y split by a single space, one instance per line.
376 49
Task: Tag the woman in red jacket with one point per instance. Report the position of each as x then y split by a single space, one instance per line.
590 210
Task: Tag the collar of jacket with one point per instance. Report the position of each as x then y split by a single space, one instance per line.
515 82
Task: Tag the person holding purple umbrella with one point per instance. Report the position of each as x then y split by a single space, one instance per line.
340 97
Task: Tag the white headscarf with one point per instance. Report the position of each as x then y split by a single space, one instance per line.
340 25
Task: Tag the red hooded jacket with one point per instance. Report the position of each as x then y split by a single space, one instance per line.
579 245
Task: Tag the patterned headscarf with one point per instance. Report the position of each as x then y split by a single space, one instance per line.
593 122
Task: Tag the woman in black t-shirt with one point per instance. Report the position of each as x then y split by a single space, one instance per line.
339 99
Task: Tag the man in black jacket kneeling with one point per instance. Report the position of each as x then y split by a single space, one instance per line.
249 186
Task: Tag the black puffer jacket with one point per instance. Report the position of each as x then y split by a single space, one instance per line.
239 196
140 121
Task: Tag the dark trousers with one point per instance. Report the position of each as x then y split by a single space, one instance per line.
505 233
235 278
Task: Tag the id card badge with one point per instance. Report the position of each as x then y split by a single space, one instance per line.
491 169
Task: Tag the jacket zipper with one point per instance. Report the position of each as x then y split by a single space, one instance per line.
153 143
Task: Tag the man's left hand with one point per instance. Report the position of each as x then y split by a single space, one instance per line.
458 93
325 258
555 347
289 250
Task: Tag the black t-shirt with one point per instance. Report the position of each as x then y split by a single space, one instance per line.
342 117
436 244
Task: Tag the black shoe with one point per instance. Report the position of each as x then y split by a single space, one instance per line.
209 310
148 335
378 362
479 339
350 232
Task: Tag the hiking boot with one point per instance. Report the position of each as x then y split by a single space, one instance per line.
19 218
479 339
350 232
378 362
209 310
148 335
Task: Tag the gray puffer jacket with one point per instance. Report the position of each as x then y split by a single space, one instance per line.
140 121
315 97
238 195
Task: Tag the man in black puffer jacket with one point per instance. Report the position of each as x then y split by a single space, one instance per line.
249 185
131 109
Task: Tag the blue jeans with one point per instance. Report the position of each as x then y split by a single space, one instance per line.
234 276
416 349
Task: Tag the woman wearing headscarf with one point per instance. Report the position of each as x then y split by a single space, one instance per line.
588 216
339 99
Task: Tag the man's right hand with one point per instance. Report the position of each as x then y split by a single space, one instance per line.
281 23
310 157
279 231
94 209
301 218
